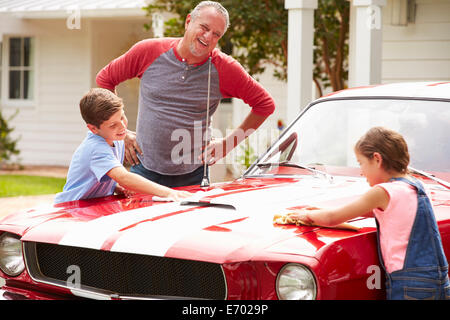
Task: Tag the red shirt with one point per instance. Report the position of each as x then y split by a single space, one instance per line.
173 99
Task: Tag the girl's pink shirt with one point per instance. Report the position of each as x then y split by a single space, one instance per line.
396 223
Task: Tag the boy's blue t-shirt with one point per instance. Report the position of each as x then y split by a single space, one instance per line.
87 176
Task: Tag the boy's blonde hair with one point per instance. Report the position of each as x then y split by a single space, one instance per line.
389 144
98 105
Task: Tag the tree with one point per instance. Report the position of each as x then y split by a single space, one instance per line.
258 27
257 36
331 25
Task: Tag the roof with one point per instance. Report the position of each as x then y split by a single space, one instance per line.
38 9
440 90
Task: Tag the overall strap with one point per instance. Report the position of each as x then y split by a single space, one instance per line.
380 255
424 242
414 182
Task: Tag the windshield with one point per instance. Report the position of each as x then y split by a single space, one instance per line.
325 134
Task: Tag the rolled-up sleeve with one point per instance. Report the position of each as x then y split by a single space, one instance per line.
131 64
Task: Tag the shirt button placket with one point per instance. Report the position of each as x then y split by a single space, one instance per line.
185 70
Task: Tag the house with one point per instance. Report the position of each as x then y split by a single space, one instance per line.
389 41
52 51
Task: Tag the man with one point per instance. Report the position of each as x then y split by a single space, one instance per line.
179 76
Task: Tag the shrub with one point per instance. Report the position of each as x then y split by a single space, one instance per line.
8 145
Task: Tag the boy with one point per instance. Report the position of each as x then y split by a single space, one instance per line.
96 167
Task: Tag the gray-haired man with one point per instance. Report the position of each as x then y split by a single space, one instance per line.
174 92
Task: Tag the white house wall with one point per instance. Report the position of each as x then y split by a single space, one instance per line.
110 39
67 62
51 128
421 50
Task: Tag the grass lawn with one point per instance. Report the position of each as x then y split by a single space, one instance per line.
20 185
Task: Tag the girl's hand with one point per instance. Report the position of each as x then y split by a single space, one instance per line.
302 215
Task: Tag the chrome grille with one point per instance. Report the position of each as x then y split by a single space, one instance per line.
125 274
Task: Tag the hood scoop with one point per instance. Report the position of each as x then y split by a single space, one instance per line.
208 204
209 198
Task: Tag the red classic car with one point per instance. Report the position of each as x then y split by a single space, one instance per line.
223 243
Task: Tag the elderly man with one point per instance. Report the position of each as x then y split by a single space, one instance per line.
178 78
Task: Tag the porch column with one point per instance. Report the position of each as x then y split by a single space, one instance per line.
300 55
365 42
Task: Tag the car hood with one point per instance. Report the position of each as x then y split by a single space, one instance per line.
227 222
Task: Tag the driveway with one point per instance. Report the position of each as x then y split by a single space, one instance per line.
15 204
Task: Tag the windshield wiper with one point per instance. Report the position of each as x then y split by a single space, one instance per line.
295 165
429 176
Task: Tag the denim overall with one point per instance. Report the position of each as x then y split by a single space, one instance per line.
425 269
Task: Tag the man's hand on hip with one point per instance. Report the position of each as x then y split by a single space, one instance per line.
131 148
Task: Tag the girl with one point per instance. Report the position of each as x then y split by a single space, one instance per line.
409 243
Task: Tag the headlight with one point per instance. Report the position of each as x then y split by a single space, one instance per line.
11 260
295 282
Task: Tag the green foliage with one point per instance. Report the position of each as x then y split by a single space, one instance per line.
331 25
248 155
8 146
20 185
260 27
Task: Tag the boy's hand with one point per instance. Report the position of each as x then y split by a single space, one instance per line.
177 195
121 190
131 147
129 193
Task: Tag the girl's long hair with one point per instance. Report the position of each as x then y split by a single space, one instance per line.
389 144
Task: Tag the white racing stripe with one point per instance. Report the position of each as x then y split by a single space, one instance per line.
155 237
306 192
92 234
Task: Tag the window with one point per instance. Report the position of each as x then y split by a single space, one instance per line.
20 72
